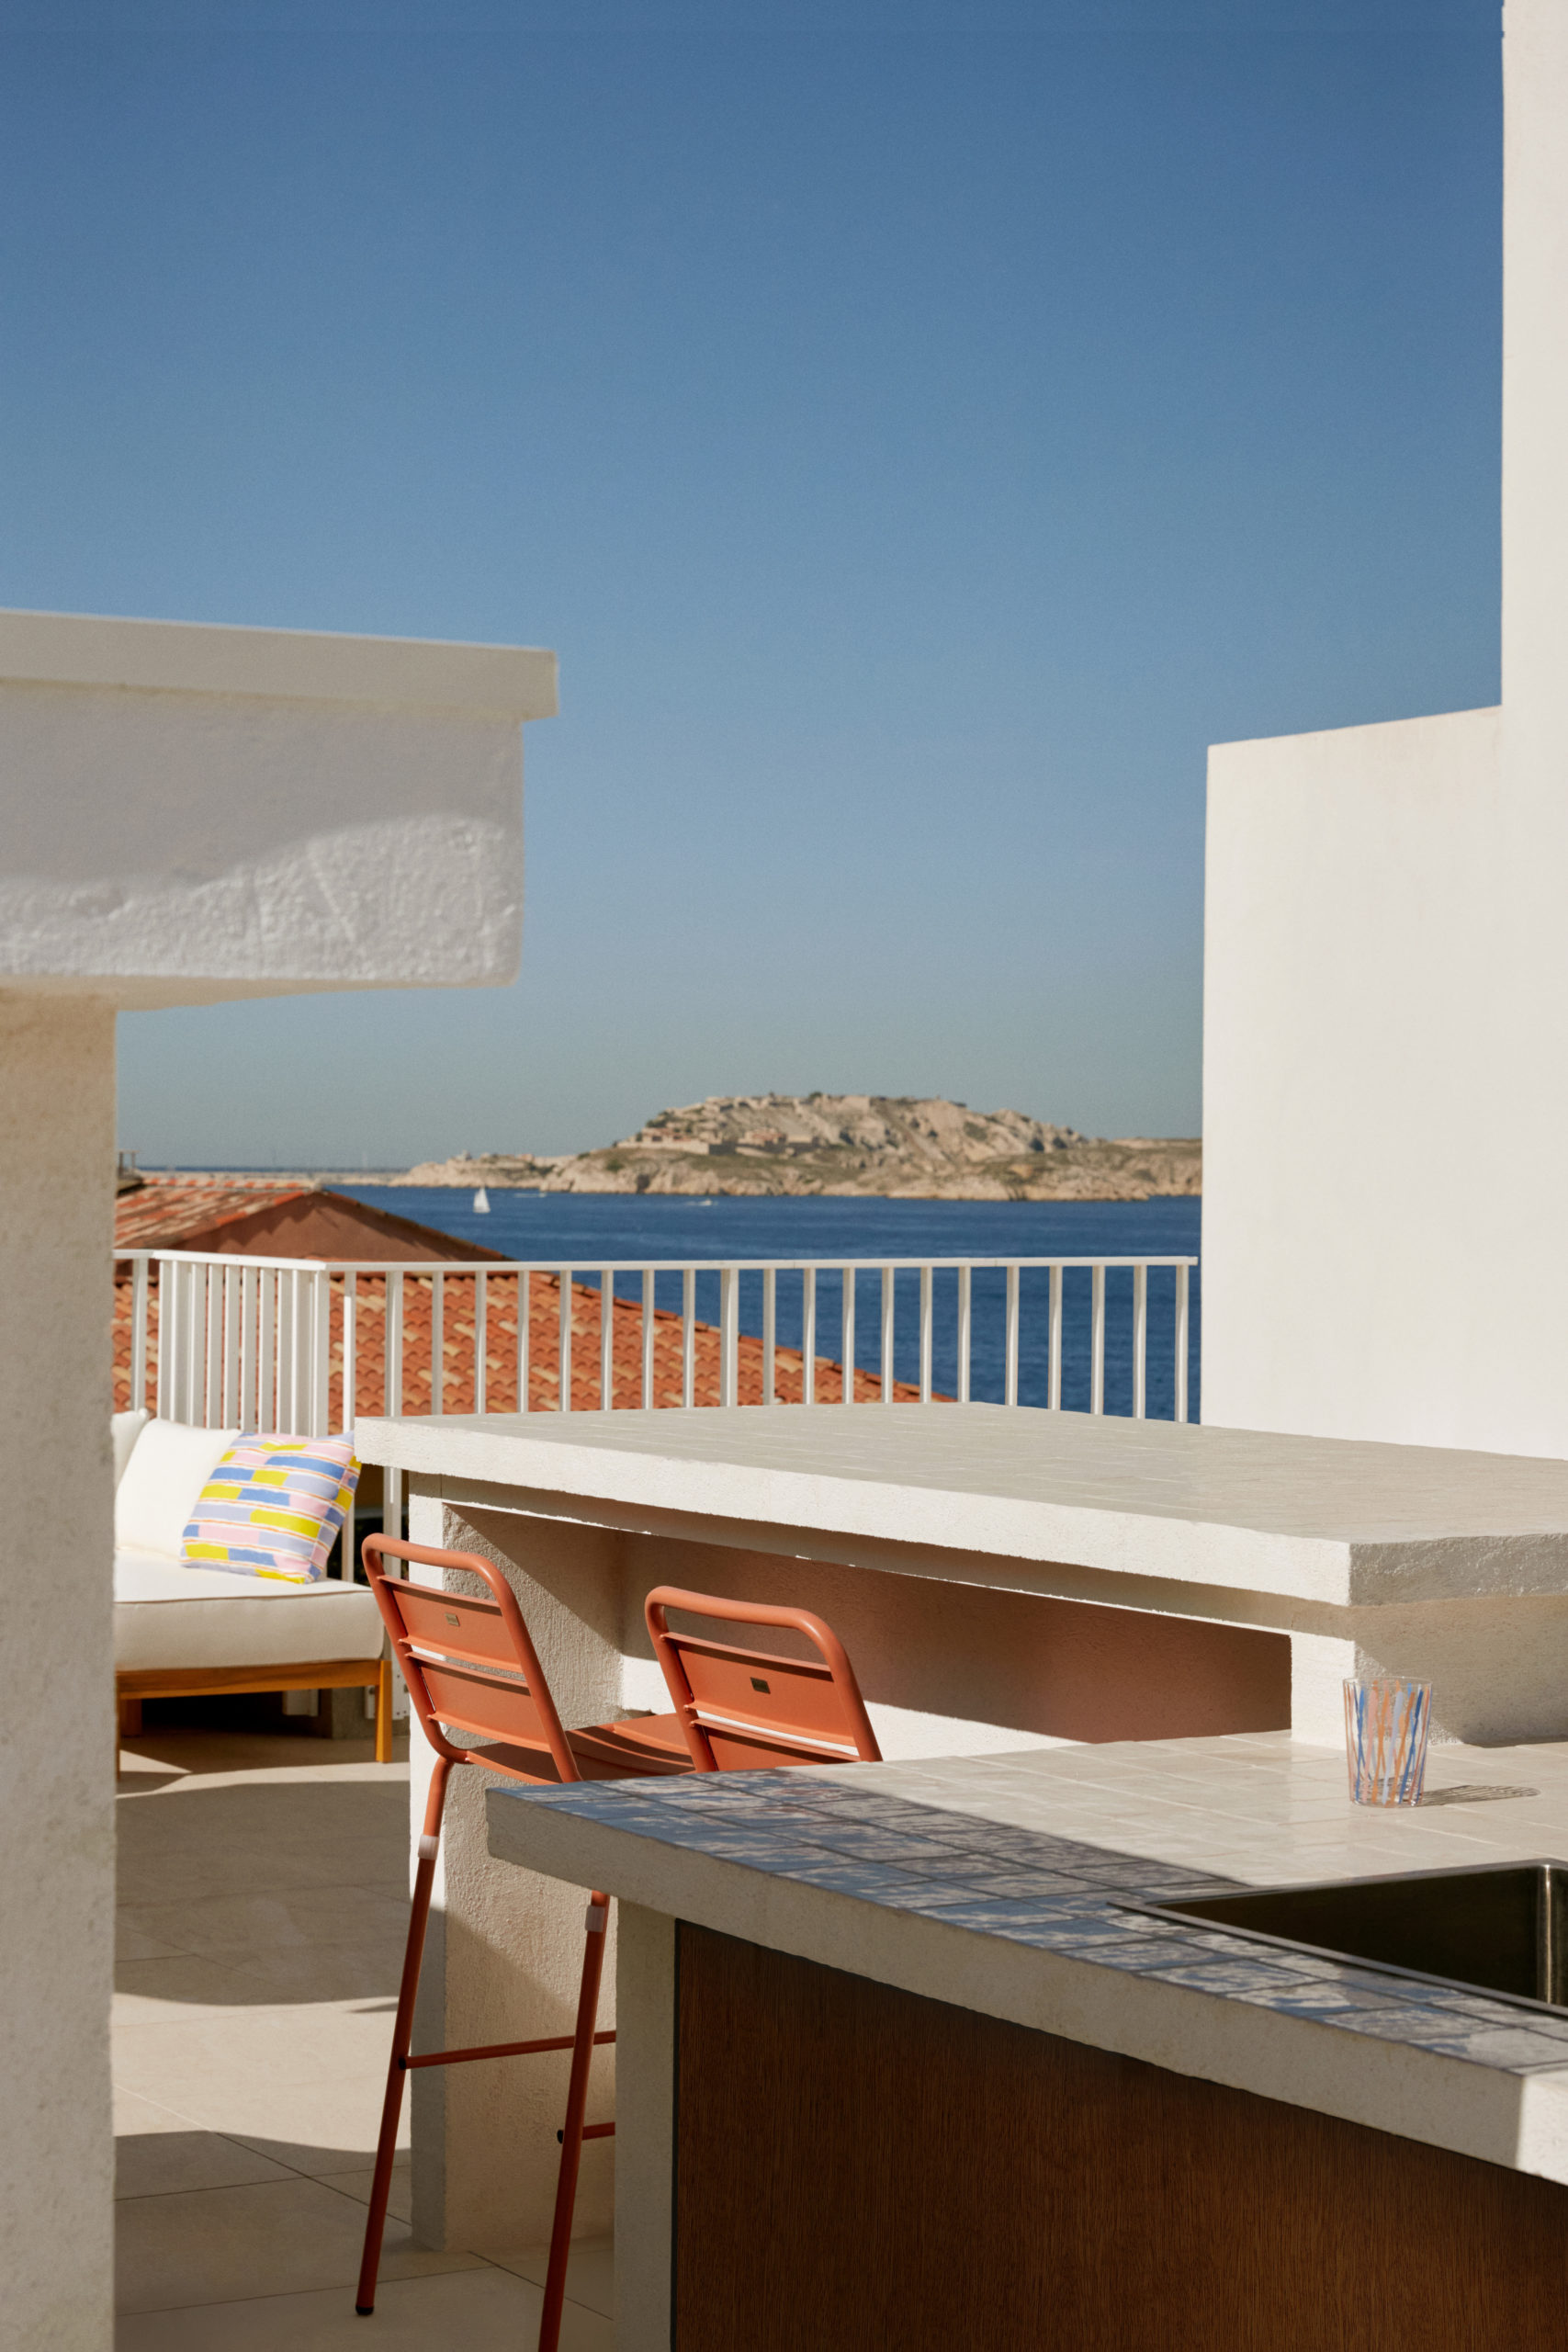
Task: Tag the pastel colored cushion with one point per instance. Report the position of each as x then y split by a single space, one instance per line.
124 1431
272 1507
169 1467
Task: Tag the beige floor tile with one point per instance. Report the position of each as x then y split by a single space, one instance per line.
313 2128
356 2184
366 1971
233 1927
132 1942
271 2238
134 2113
590 2273
159 2164
310 2043
471 2311
147 1991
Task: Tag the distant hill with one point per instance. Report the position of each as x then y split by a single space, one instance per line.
892 1145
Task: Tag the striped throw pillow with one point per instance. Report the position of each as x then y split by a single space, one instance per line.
273 1507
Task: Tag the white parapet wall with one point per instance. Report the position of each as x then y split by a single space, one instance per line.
1385 1220
186 814
1352 929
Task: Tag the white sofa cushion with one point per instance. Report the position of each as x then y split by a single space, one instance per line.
124 1429
168 1467
167 1616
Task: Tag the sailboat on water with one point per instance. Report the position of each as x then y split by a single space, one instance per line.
481 1203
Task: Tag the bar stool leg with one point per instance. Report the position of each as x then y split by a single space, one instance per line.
402 2034
572 2135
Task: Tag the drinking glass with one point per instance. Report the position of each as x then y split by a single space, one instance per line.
1385 1739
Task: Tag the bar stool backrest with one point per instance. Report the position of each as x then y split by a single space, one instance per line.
743 1709
468 1662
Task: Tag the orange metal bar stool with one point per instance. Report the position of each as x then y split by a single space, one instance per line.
470 1664
742 1710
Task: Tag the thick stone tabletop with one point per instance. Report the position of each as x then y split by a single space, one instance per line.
1008 1885
1323 1520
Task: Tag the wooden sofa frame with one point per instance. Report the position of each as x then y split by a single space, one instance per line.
133 1684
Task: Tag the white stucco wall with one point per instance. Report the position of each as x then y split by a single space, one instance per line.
56 1725
1351 925
189 813
1385 1221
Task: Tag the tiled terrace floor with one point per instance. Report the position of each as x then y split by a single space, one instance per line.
262 1910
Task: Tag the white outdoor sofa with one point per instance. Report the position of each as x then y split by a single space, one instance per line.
183 1632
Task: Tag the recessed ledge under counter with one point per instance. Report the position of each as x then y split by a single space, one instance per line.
1365 1557
1218 2124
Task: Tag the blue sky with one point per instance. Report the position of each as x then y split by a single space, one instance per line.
919 430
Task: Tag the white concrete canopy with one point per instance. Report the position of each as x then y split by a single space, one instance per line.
189 813
185 814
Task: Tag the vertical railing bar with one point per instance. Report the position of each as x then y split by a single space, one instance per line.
164 1399
647 1335
213 1369
770 1331
729 1333
266 1345
1096 1343
321 1367
304 1336
606 1338
139 1270
231 1326
887 1310
848 1324
437 1342
688 1334
1140 1339
481 1343
201 1290
247 1398
525 1335
350 1353
392 1347
927 1319
809 1335
563 1402
1182 1310
965 1330
1011 1376
283 1391
1054 1343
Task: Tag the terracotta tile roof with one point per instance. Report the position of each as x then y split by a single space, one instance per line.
501 1351
163 1210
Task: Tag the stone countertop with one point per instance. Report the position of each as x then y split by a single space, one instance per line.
1320 1519
997 1884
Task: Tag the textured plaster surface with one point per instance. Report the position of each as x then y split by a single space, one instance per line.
998 1884
56 1727
1323 1519
192 813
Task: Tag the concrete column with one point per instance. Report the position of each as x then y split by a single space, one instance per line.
57 1722
645 2131
504 1954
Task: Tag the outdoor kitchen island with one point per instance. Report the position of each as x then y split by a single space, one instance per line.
898 2067
1002 1579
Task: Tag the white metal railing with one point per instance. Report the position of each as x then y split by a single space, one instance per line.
276 1343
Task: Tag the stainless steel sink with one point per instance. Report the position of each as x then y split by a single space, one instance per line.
1491 1928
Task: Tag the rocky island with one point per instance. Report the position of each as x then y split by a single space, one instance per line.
899 1147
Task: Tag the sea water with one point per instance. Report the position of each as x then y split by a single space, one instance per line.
585 1229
